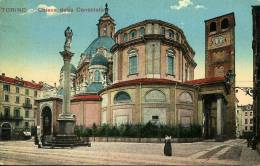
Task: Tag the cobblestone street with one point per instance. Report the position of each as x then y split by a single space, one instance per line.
232 152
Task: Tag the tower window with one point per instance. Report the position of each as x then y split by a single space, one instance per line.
132 62
170 34
125 37
133 34
170 62
142 31
224 23
163 31
97 76
213 27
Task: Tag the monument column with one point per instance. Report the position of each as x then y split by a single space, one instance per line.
66 120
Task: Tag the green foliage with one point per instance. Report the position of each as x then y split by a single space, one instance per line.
149 130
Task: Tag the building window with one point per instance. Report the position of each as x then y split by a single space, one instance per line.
251 121
35 93
17 90
17 99
170 34
27 92
246 128
6 87
133 34
163 31
17 123
97 76
213 27
251 113
224 23
251 128
6 98
122 97
245 113
6 112
26 125
27 101
170 62
27 113
125 37
132 62
142 31
246 121
17 113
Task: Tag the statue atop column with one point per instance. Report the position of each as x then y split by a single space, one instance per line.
68 34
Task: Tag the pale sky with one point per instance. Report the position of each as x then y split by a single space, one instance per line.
30 42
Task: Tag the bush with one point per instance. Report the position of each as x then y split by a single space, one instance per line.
149 130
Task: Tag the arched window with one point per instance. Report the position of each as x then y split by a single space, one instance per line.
97 76
213 27
185 97
224 23
142 31
125 37
155 96
122 97
133 34
162 30
132 62
170 34
170 62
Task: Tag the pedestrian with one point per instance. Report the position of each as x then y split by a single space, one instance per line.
167 146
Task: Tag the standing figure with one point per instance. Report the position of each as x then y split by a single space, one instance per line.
68 34
168 146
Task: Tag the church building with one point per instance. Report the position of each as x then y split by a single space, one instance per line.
144 73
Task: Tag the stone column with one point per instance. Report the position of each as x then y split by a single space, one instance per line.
219 116
66 120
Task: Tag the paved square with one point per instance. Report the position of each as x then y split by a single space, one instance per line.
232 152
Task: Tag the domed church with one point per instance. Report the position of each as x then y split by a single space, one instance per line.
144 73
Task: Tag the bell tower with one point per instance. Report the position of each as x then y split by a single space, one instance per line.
220 60
220 45
106 24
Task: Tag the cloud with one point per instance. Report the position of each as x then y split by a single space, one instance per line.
48 10
200 7
182 4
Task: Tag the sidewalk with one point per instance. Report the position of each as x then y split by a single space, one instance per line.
249 156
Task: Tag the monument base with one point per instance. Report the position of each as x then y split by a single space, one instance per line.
66 136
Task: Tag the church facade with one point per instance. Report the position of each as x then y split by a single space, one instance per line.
143 73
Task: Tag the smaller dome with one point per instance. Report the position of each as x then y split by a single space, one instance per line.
72 69
94 87
99 59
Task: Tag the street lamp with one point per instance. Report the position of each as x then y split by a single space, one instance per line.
230 77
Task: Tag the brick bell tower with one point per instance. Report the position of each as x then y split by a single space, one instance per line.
220 58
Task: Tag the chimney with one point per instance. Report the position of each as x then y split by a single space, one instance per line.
33 81
3 74
55 84
17 78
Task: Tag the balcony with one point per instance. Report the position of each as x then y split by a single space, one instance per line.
27 105
10 118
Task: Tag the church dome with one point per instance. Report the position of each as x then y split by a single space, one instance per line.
99 59
94 87
101 42
72 69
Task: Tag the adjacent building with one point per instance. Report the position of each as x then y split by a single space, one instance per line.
244 119
256 69
17 105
